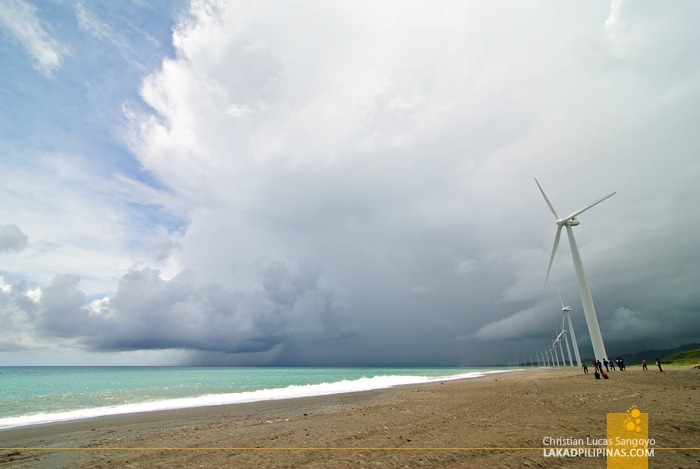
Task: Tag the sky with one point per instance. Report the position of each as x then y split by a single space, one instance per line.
347 183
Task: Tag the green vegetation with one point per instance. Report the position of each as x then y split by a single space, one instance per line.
690 357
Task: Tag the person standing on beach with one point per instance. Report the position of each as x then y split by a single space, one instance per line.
585 368
644 364
605 362
620 363
658 363
612 364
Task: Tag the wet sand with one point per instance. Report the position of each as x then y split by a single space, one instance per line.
499 420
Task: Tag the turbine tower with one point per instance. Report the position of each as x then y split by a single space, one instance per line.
556 355
588 309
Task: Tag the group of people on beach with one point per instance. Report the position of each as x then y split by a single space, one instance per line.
610 365
658 363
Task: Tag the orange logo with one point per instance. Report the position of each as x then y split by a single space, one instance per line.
628 444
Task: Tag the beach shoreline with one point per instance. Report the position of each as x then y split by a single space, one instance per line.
330 384
460 423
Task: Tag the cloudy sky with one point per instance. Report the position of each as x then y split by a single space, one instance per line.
343 183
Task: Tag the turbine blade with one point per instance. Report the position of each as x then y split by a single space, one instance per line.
547 200
560 300
583 209
554 251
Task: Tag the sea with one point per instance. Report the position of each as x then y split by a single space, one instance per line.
37 395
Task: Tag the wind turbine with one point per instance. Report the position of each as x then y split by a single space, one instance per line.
563 360
566 313
558 341
566 340
588 309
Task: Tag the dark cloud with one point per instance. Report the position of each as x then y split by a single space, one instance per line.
150 313
62 309
12 239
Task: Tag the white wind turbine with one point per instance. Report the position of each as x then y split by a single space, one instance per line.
566 313
556 355
561 352
566 341
564 333
588 309
551 357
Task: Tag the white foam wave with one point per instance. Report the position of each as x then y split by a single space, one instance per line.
289 392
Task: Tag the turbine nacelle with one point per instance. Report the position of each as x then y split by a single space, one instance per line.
569 222
564 309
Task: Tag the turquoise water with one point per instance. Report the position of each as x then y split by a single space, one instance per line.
35 395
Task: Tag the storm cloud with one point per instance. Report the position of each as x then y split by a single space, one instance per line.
12 238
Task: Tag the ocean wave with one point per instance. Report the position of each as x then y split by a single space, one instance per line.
288 392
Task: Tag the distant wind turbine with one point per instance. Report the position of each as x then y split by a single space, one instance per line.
566 313
561 351
558 341
588 309
564 332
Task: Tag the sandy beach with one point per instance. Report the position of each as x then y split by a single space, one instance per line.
499 420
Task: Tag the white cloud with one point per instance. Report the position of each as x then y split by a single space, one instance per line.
19 19
80 221
4 288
